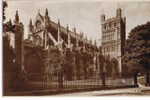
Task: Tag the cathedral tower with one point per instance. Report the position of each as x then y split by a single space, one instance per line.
113 37
19 34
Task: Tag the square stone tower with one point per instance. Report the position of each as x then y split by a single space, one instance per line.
113 36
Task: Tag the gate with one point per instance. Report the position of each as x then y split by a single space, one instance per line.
143 79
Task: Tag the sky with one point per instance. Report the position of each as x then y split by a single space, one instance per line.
82 14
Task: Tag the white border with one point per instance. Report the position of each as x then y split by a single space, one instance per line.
64 98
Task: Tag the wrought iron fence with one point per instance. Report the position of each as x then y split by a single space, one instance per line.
57 81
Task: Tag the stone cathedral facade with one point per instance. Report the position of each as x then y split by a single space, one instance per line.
113 36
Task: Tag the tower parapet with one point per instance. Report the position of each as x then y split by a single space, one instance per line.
102 18
119 13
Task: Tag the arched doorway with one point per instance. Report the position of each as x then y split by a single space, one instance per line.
115 67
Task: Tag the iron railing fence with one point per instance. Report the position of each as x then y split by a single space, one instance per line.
57 81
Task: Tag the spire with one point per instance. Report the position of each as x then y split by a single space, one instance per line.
47 19
90 40
102 15
58 22
67 27
17 17
39 12
46 12
119 12
58 32
30 24
95 42
81 34
10 23
69 41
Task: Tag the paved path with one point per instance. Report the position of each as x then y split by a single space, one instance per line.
128 91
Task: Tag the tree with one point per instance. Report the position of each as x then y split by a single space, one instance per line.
4 6
137 55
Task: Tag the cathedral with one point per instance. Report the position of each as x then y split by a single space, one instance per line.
53 51
46 34
113 37
49 49
43 32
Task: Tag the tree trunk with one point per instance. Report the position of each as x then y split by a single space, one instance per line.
147 79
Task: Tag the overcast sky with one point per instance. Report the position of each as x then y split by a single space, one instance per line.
84 15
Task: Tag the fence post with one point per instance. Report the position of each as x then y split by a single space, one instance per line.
60 79
103 77
135 80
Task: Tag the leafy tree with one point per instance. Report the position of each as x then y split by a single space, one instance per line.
4 6
137 55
